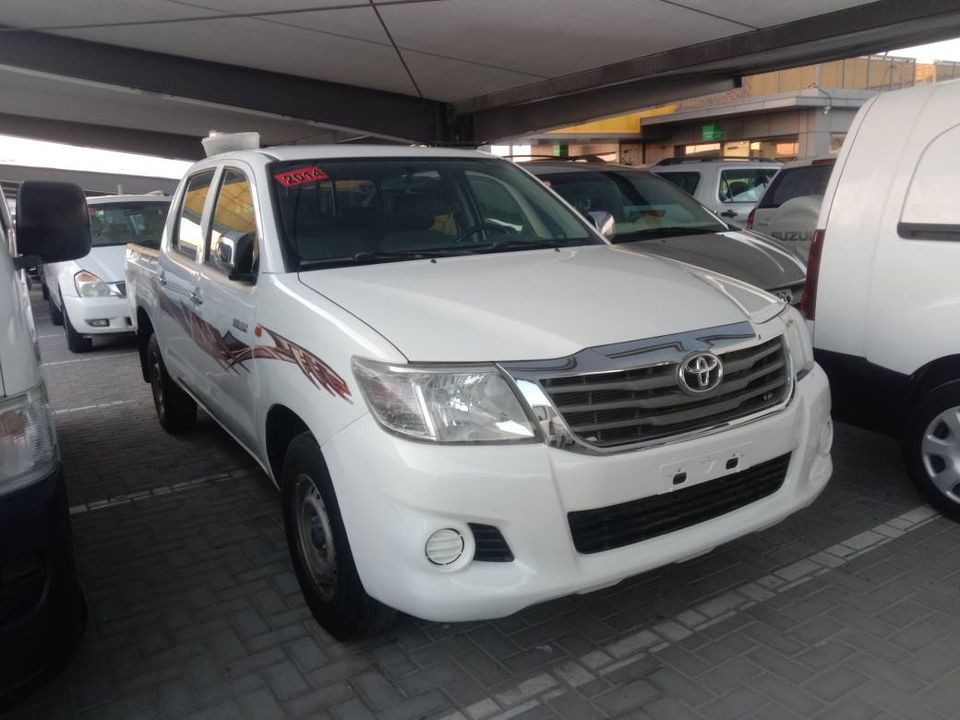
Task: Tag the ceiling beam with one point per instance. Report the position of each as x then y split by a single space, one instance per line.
146 142
334 105
861 29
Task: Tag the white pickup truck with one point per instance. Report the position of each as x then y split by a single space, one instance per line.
469 401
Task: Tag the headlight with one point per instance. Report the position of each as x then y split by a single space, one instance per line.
797 335
28 442
89 285
443 404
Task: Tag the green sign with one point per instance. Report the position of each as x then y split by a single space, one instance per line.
562 150
712 132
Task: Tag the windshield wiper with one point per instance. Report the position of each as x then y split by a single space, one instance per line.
367 258
507 245
665 232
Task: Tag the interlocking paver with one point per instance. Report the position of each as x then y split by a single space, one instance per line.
194 616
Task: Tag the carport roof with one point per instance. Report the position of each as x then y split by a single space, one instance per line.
160 73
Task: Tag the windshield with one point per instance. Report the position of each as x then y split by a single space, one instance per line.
361 211
643 205
125 222
744 185
796 182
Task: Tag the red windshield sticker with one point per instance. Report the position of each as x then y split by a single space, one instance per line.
301 176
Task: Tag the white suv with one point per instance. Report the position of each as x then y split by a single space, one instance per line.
789 207
88 295
730 187
470 402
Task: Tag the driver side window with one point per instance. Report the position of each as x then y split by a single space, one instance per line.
234 245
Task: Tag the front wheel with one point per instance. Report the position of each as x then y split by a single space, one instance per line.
176 411
320 550
931 448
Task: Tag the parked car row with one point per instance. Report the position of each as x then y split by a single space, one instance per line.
476 391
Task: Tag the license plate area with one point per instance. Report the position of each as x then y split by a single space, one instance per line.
704 468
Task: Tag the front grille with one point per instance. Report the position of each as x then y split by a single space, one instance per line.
491 546
627 406
21 586
121 288
618 525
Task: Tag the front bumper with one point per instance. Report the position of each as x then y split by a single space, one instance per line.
394 493
42 611
115 311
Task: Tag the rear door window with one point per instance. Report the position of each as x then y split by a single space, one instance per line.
796 182
189 236
743 185
686 181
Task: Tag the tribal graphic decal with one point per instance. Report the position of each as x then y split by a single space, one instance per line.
316 370
231 353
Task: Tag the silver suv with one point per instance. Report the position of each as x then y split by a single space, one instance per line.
730 187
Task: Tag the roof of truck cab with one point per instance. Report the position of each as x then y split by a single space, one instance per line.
321 152
104 199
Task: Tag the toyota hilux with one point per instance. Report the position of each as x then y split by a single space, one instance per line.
469 401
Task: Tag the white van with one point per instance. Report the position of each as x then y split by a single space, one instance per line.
882 283
41 607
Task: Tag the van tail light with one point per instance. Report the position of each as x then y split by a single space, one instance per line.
808 301
750 219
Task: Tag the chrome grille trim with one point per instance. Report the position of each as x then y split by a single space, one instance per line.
625 396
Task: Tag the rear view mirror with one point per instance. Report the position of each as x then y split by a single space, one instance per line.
604 223
53 223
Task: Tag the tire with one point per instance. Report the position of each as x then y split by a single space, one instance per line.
56 317
326 570
75 341
176 411
931 448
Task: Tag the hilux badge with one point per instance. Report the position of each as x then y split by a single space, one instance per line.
699 373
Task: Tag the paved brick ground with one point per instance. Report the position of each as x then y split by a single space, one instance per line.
848 610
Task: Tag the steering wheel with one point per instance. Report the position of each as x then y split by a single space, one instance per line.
485 225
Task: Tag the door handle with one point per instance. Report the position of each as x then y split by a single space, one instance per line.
162 278
195 298
729 213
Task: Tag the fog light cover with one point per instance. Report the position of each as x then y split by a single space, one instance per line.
444 547
99 323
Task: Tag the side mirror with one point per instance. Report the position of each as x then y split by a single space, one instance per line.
604 223
244 260
53 222
226 251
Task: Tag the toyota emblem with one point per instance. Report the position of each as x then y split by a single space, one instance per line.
700 373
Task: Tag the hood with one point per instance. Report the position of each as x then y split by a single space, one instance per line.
107 263
534 304
742 255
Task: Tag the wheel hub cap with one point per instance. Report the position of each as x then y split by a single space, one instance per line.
940 452
315 537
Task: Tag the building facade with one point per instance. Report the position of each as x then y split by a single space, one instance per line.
784 115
